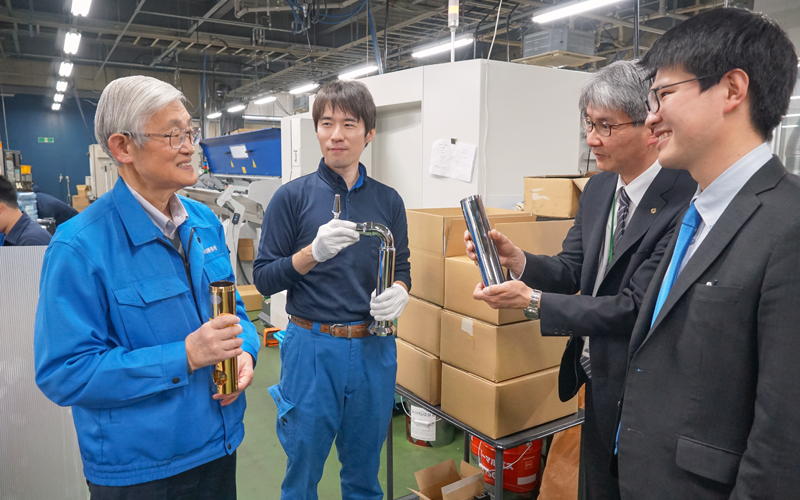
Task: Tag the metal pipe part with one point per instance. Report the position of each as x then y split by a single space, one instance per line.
385 270
478 225
223 301
337 207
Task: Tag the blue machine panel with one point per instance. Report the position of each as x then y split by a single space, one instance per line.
256 153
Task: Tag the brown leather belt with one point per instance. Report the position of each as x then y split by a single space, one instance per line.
337 329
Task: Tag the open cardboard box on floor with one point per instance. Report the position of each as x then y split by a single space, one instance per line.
443 482
553 196
420 372
498 353
437 233
462 275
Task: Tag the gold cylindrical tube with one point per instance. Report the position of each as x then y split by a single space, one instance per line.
223 301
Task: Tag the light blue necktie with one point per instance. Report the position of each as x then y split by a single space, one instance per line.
689 225
2 238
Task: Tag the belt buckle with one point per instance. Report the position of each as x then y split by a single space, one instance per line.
340 325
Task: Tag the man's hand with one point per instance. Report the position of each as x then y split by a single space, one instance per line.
245 379
508 295
332 238
390 304
213 342
511 257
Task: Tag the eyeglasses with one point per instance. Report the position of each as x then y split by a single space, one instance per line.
654 104
178 136
603 128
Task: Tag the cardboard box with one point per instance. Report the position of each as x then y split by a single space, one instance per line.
79 203
461 276
500 409
420 372
437 233
246 249
443 482
555 196
498 353
251 297
538 238
84 190
420 324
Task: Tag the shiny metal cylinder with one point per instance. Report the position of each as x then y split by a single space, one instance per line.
478 225
223 301
385 270
337 206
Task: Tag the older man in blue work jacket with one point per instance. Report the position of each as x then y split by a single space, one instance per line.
122 328
337 380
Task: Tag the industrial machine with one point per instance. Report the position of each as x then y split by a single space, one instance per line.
244 171
103 171
13 166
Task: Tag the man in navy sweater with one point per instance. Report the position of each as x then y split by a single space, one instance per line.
337 380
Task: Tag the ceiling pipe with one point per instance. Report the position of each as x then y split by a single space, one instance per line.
239 12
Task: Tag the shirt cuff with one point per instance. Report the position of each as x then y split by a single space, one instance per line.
514 276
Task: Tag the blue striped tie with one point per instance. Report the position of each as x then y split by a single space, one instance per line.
689 225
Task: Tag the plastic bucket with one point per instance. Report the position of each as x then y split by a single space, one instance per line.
424 429
520 466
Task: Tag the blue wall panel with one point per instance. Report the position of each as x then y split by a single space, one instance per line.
30 117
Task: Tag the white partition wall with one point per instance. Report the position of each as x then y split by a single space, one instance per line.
39 457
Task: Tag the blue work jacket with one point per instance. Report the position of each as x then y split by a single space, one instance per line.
115 308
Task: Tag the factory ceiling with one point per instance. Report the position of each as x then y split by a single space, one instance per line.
252 47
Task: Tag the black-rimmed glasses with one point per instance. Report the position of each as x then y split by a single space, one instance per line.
653 102
603 128
178 136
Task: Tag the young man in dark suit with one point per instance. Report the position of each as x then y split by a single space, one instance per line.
625 219
710 404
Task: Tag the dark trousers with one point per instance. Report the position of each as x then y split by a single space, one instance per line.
215 480
595 458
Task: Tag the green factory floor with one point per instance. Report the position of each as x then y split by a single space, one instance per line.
261 461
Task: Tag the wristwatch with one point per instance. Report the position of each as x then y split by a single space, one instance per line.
532 311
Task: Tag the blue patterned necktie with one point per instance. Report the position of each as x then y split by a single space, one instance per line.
689 225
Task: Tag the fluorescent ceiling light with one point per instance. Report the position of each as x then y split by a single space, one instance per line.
790 126
570 9
358 72
442 47
56 106
58 97
71 42
304 88
795 97
81 7
262 118
238 107
65 69
61 86
214 115
265 100
792 116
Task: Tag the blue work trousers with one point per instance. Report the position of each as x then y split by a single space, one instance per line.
334 388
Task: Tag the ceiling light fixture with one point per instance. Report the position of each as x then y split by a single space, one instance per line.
56 106
65 69
790 126
304 88
795 97
792 116
61 86
58 97
265 100
358 72
81 7
238 107
262 118
71 42
442 47
216 114
570 9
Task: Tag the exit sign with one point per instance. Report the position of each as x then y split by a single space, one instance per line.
47 140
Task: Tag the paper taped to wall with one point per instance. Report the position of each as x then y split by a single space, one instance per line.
455 161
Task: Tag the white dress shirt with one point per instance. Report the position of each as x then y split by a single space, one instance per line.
164 224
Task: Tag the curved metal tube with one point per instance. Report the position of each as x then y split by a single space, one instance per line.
385 270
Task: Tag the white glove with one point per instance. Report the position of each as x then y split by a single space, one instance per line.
332 238
390 304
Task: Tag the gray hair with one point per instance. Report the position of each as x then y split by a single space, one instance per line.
622 85
127 104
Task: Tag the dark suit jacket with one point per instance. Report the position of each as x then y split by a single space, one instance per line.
607 319
710 409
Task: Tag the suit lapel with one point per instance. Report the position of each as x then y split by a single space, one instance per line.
598 232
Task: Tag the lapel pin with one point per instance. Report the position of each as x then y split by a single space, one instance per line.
653 210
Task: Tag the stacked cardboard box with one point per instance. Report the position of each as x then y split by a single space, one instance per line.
553 196
81 200
247 250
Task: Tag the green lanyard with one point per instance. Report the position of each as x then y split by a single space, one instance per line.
611 239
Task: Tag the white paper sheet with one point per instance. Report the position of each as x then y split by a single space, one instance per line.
239 151
455 161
